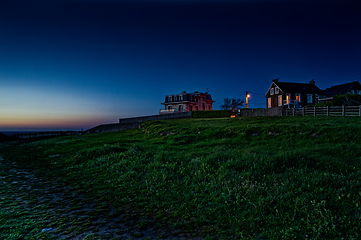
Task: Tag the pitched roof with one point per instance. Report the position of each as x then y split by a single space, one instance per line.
291 87
340 89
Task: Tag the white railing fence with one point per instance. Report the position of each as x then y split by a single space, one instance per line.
323 111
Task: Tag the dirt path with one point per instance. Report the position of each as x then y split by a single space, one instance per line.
60 212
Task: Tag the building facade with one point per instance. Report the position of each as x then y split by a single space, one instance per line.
290 95
346 88
185 102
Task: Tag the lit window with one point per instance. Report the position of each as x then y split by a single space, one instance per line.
271 91
279 100
288 97
277 90
269 102
298 97
309 98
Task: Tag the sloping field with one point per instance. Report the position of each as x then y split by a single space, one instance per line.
240 178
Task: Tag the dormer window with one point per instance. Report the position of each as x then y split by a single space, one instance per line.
277 90
271 91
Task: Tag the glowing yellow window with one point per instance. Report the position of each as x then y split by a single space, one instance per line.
288 98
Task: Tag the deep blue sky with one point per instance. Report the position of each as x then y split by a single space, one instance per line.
76 64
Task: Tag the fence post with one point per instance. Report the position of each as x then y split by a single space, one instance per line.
293 111
303 111
314 111
328 111
359 111
343 110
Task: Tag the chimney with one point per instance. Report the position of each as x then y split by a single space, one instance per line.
275 80
312 82
184 92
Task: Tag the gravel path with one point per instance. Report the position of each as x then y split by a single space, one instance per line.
62 213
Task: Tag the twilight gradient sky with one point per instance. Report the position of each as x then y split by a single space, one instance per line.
72 64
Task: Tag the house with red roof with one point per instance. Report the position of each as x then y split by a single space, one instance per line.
185 102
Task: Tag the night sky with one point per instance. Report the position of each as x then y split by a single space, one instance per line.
73 64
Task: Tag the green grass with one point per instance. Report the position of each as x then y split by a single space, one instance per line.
250 178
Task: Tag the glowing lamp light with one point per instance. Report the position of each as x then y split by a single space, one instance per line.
247 96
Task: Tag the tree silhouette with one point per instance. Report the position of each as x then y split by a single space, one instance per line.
232 104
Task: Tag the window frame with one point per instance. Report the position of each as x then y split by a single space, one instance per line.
279 99
277 90
288 98
271 91
309 96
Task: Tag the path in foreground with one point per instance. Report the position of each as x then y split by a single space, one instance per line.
32 206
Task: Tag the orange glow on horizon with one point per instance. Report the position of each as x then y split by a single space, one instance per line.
13 122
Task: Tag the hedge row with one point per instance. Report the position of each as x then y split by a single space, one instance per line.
211 114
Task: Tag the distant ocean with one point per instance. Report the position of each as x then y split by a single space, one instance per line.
16 132
19 132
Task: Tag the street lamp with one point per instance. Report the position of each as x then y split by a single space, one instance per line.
247 96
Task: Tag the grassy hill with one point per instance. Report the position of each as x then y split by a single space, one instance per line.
242 178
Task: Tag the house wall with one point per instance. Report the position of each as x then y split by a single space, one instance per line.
356 89
190 102
274 96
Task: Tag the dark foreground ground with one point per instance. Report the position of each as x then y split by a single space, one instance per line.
240 178
36 208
